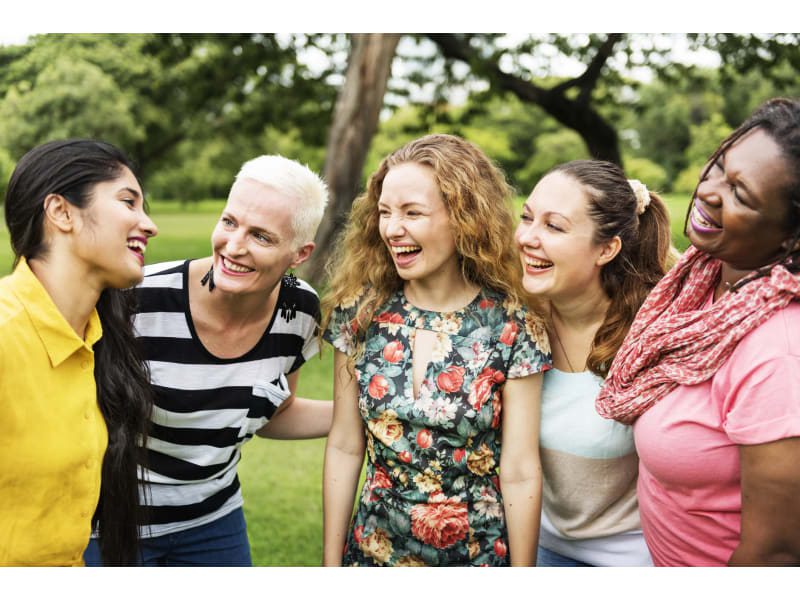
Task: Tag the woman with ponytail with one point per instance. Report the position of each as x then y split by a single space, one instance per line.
74 397
592 245
710 372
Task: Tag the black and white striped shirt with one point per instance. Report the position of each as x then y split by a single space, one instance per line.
206 407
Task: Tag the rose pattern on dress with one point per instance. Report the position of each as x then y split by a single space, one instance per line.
431 494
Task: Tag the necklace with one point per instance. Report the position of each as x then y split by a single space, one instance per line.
558 340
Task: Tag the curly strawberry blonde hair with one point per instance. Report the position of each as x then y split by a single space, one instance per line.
477 198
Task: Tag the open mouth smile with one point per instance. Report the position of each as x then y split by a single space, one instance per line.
701 222
236 268
138 245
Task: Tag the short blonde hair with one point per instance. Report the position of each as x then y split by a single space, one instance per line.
292 179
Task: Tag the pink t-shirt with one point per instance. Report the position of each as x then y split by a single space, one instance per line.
689 476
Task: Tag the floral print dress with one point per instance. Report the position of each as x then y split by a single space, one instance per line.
432 494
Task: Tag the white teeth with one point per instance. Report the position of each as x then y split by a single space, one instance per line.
699 218
537 264
405 249
234 267
137 245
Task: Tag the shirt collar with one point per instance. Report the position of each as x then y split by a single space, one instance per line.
59 339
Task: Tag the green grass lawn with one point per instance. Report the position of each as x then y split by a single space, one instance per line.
281 481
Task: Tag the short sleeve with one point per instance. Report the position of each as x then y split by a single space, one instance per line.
764 404
530 352
341 329
306 325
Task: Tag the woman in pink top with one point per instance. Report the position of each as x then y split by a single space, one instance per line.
710 371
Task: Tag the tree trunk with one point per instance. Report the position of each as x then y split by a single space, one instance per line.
355 120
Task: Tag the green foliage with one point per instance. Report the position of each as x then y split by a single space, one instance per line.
705 140
649 173
7 165
68 98
551 149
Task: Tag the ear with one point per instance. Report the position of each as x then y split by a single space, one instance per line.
609 250
302 254
59 212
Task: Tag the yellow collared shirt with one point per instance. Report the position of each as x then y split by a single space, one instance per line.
52 434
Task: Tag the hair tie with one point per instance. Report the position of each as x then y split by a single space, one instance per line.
641 193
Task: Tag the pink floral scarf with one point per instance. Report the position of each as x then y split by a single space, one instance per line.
675 341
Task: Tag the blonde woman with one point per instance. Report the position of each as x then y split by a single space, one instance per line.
434 356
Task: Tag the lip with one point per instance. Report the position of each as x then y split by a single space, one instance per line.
698 227
139 255
404 261
231 273
532 270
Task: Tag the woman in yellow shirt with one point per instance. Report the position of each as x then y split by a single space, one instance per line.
74 397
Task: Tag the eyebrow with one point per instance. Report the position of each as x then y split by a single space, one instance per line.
131 191
548 213
268 232
403 204
739 181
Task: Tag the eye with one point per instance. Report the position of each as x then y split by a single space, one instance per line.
129 201
525 217
554 227
262 239
227 222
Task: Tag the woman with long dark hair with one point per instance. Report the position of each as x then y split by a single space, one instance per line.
74 396
709 374
592 245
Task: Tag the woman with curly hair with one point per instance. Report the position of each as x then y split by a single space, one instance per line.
435 356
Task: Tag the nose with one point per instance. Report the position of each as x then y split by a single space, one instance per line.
148 226
394 227
526 236
235 245
708 190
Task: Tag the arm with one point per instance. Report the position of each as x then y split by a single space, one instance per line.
298 418
770 533
520 468
344 455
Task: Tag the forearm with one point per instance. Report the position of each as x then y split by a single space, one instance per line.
763 554
522 501
304 419
340 479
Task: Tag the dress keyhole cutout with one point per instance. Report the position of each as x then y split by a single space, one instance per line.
421 352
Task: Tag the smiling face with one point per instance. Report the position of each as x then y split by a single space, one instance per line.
414 224
112 232
555 239
740 213
253 241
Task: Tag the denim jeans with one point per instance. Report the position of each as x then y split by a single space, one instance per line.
548 558
221 543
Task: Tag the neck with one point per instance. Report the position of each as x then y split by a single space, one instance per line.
582 311
444 293
72 289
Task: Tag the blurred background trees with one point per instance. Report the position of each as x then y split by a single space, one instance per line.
190 108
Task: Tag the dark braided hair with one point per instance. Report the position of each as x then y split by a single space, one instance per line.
72 168
779 118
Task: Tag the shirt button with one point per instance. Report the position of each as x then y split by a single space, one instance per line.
85 364
86 415
90 463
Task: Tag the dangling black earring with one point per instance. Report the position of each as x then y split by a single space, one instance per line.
208 278
290 281
289 312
